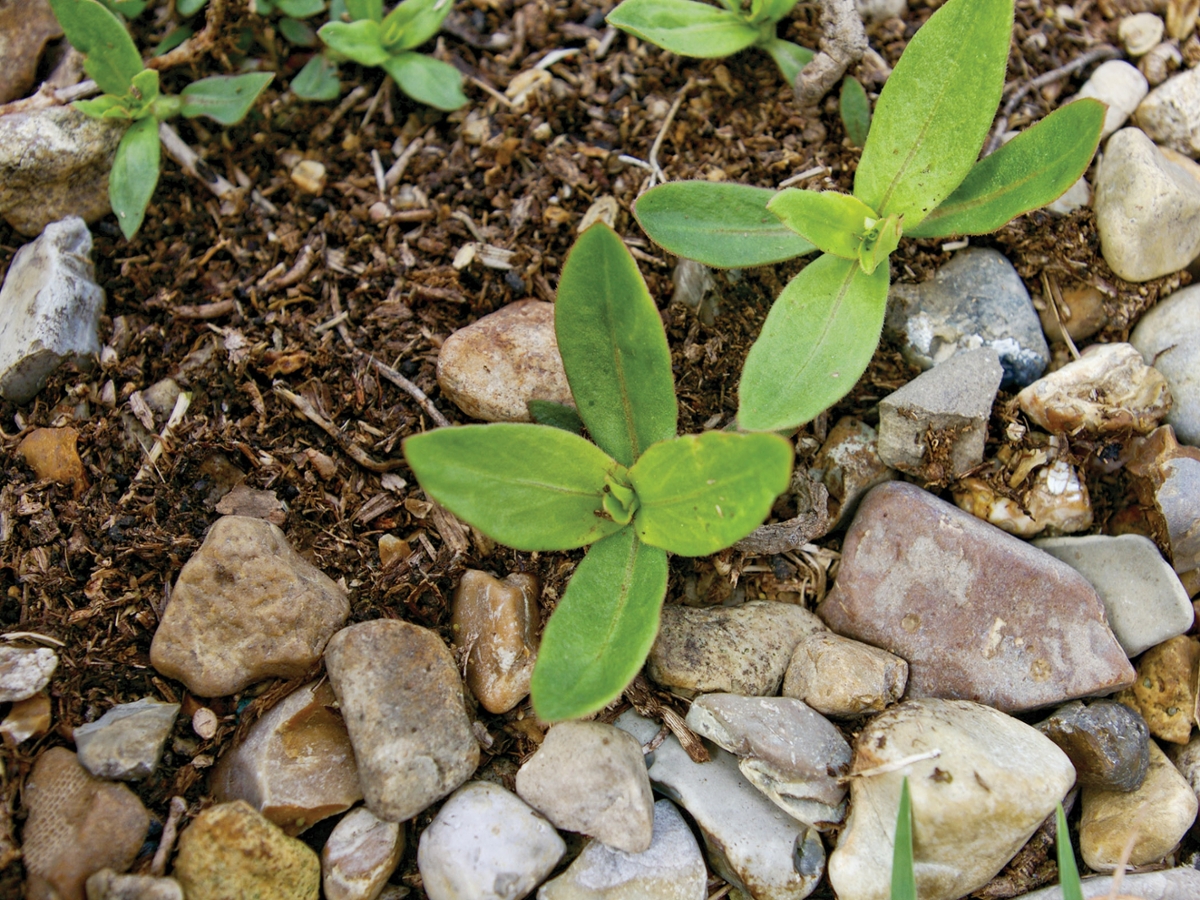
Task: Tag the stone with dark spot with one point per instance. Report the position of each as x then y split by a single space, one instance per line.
1107 742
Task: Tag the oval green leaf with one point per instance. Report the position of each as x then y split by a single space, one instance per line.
371 10
815 344
936 109
789 58
702 493
855 110
112 57
134 174
301 9
358 40
684 27
556 415
1033 169
413 22
613 347
223 98
726 226
318 80
427 80
769 10
528 486
834 222
602 630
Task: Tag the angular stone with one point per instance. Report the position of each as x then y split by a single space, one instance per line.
1167 481
1170 114
245 607
230 850
1107 742
848 464
936 425
496 625
295 765
108 885
24 672
785 749
976 613
402 700
736 650
590 777
1160 812
486 844
839 677
25 27
1120 86
492 368
360 855
1168 337
989 766
53 455
26 719
1165 689
126 742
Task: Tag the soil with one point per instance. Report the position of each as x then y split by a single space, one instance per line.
95 572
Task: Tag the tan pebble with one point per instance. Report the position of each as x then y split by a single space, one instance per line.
53 456
309 176
838 676
1082 314
392 549
1140 33
27 719
1165 689
379 211
360 854
496 622
1160 62
204 723
325 466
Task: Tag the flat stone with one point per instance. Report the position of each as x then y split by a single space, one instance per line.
1167 482
936 425
1147 207
402 700
1107 742
53 454
295 764
671 869
25 28
1160 812
245 607
27 719
1055 501
492 368
976 613
750 842
1119 85
735 650
496 626
126 742
108 885
786 749
989 765
360 855
1170 114
230 850
591 778
840 677
1165 689
848 464
486 844
1181 883
24 672
975 300
1168 337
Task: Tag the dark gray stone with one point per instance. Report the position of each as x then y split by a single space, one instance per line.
1107 742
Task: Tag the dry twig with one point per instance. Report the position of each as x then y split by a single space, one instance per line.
843 42
351 449
413 391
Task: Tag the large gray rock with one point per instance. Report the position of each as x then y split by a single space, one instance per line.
1170 115
126 742
1168 337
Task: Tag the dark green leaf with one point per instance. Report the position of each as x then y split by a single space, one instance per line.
358 40
301 9
112 59
130 9
834 222
223 98
613 347
855 109
1068 872
789 57
412 23
365 9
187 8
174 38
297 33
134 174
556 415
602 629
904 882
723 225
427 80
684 26
318 80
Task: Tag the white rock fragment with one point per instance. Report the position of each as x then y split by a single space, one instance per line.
1120 86
1168 337
1140 32
24 672
1170 114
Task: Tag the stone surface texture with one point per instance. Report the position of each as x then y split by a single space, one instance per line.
841 677
1168 337
1107 742
848 464
1119 85
126 742
360 855
1140 32
496 625
1170 114
25 671
1054 500
1165 689
1181 883
108 885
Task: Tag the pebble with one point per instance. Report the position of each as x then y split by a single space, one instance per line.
878 10
492 368
848 464
24 30
1110 389
495 626
750 842
1168 337
485 843
1107 742
245 607
1167 481
1165 689
309 176
24 672
1170 114
1140 33
360 855
1160 813
842 678
1181 883
591 778
295 764
1056 501
935 426
53 455
77 825
1147 207
230 850
1082 311
27 719
976 613
50 307
402 701
671 869
1160 62
1120 86
989 765
786 749
126 742
108 885
734 650
392 549
1186 758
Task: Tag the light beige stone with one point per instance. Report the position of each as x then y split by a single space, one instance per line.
108 885
361 853
496 625
25 671
25 27
841 677
1170 114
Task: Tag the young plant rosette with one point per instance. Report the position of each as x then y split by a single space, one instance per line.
918 177
634 495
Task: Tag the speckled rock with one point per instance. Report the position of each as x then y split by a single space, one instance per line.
496 626
360 855
848 464
108 885
25 671
126 742
840 677
1168 337
1170 114
1119 85
1165 689
1107 742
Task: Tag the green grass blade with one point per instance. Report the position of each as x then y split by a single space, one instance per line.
684 26
904 882
1068 872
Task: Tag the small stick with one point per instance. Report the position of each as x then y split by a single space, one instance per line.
300 268
656 172
1055 298
396 171
491 91
377 168
893 766
348 446
204 310
191 162
803 176
325 129
170 829
197 44
412 390
160 441
335 301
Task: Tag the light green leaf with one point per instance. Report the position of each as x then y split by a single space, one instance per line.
769 10
106 106
187 8
790 58
879 242
613 347
726 226
112 59
134 174
685 27
702 493
223 98
1031 170
412 23
427 80
904 882
318 80
358 40
1068 872
557 415
855 110
815 344
602 630
936 109
297 33
527 486
365 9
834 222
130 9
301 9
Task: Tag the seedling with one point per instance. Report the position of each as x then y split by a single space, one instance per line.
631 497
918 177
131 93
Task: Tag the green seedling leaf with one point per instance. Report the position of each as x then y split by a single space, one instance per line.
727 226
134 174
878 243
130 9
189 7
106 106
789 58
318 80
223 98
557 415
904 882
301 9
685 27
412 23
173 39
602 630
112 59
427 80
815 344
936 109
297 33
769 10
613 347
364 9
358 40
833 222
855 110
1068 872
527 486
1031 170
620 501
703 493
